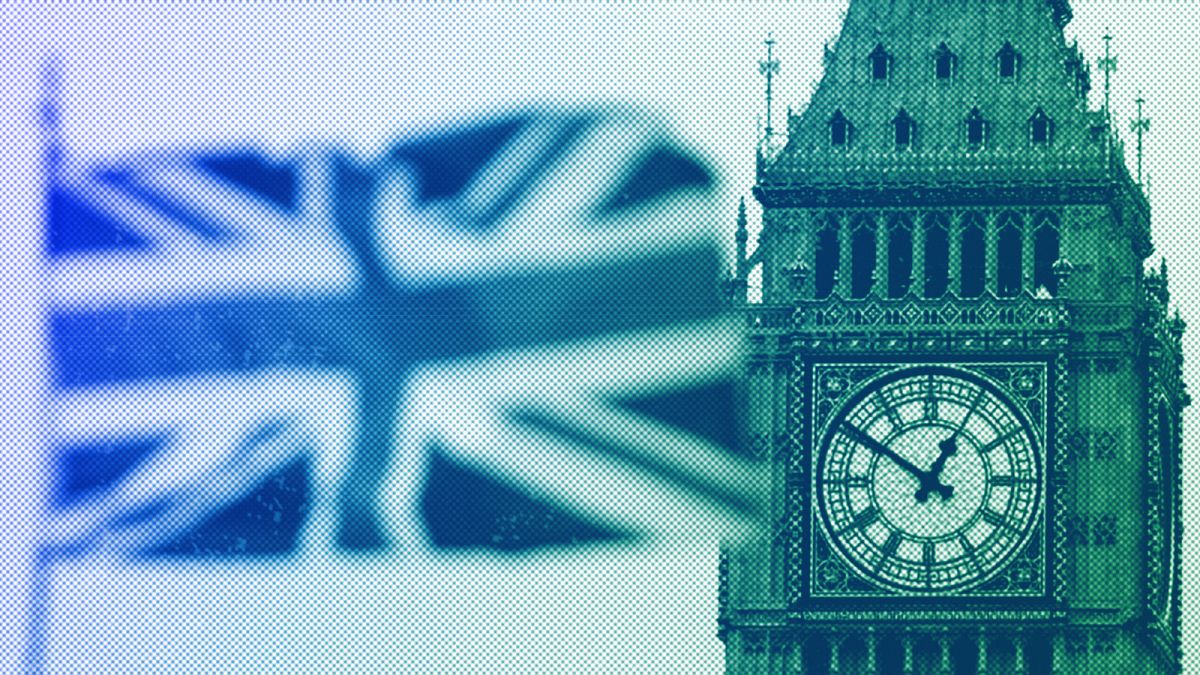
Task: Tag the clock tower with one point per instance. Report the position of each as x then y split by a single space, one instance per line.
966 382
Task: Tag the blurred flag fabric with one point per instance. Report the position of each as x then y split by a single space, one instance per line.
501 337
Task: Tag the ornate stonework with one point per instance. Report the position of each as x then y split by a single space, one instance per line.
907 232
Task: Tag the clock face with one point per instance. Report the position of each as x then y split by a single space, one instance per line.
928 480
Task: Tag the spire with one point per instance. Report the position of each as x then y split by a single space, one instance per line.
1107 64
1140 126
740 237
769 68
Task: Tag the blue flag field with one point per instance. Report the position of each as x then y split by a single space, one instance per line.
500 341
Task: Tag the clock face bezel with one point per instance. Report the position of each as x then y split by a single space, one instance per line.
1032 517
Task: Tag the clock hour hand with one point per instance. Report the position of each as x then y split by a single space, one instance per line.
933 482
879 448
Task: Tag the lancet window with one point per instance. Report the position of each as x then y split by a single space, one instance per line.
839 129
937 255
973 273
904 128
1045 253
977 128
900 257
862 251
881 63
945 63
1041 128
828 255
1008 256
1008 61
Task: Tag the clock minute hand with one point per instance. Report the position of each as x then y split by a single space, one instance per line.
866 439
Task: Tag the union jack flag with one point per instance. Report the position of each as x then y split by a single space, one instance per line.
503 336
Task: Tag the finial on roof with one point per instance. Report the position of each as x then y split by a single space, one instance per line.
740 237
769 68
1108 64
1178 325
1140 126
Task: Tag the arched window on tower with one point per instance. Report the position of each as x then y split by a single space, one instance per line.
973 274
862 253
839 129
977 129
1008 60
881 63
937 255
945 63
828 255
900 257
1045 253
1041 128
904 128
1008 256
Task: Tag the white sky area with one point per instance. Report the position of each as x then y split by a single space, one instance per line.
164 74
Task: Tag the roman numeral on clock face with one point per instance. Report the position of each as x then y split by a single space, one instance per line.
892 544
995 519
889 549
929 407
863 519
889 409
929 404
998 441
969 552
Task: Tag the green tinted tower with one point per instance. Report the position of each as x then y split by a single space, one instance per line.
967 383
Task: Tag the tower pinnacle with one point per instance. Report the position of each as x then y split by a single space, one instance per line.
769 68
1108 64
1140 126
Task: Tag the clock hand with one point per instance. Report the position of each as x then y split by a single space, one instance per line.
934 483
948 447
879 448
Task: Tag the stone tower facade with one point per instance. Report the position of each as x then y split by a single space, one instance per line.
967 386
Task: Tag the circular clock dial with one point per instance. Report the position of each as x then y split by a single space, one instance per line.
928 480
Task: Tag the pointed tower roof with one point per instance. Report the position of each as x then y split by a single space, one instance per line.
905 76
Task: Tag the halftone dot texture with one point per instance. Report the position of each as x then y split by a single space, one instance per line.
494 339
949 198
271 62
